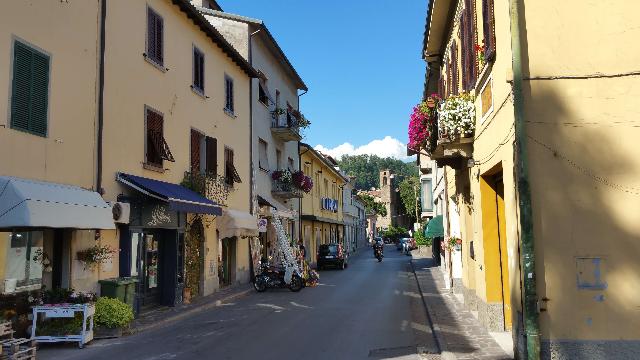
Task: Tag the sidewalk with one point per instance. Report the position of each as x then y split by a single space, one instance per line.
167 315
457 331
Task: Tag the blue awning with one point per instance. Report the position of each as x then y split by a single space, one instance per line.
179 198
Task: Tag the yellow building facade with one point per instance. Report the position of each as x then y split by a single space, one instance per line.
577 119
127 115
322 208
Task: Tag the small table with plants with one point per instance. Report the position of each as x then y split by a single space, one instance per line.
73 331
64 315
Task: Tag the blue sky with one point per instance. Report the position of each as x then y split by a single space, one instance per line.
360 60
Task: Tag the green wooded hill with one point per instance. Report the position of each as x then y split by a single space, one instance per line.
366 169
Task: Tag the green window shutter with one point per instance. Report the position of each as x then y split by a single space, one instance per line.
40 94
21 87
30 90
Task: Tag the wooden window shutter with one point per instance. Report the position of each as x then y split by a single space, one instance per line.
488 26
155 33
154 131
463 49
195 151
212 155
454 68
30 90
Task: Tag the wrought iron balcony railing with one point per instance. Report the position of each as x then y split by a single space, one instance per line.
212 186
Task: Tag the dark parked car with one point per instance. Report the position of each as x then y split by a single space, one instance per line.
331 255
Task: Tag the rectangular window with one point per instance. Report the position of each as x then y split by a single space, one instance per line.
211 163
230 173
228 90
30 90
196 149
279 159
156 147
326 188
24 258
198 70
317 185
263 160
488 30
426 193
155 37
263 95
204 153
277 98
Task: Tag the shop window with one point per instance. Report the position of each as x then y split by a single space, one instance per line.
24 258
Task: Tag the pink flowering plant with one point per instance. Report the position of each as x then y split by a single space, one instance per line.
295 179
423 128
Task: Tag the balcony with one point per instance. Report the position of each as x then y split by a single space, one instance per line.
286 190
453 152
212 186
285 126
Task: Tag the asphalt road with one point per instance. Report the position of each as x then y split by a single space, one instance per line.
370 310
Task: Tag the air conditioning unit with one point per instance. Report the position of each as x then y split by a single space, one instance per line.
121 212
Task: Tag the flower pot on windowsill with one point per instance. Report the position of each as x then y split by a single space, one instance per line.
101 332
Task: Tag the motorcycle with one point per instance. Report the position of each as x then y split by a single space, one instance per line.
377 253
273 277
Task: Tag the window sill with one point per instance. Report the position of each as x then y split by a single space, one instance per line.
199 92
153 167
25 288
230 113
154 63
263 104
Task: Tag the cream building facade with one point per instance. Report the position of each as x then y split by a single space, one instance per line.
276 130
541 268
131 113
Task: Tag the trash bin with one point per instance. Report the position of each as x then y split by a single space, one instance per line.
123 289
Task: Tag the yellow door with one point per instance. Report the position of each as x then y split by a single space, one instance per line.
504 257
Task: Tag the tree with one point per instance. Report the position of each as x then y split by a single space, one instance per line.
371 206
366 169
410 196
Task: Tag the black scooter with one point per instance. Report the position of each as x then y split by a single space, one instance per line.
273 277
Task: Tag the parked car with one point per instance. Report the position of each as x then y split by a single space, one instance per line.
331 255
400 242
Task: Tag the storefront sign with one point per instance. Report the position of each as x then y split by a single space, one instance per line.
262 225
329 204
58 312
159 216
155 214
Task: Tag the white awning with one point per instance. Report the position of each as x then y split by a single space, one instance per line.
32 203
270 206
237 223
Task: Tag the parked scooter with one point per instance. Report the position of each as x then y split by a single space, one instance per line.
273 277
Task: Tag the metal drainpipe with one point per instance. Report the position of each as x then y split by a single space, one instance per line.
530 298
99 145
251 190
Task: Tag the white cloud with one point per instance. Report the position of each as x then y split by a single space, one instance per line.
387 147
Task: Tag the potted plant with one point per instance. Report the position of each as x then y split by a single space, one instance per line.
112 316
457 117
422 125
95 255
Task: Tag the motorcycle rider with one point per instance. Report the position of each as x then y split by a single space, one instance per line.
378 246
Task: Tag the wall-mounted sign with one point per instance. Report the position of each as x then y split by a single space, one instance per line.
262 225
329 204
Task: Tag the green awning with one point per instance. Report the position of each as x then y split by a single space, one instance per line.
434 228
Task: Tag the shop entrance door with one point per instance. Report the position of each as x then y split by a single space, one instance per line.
151 269
228 261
